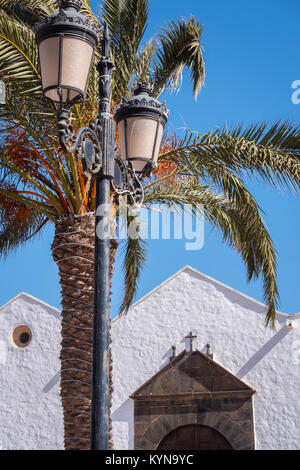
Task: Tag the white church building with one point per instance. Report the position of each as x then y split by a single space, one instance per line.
192 360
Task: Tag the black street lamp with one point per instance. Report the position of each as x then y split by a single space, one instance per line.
67 41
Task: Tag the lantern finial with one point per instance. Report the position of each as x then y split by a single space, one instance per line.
143 88
106 41
62 4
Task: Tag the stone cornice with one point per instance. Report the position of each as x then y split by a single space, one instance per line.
194 395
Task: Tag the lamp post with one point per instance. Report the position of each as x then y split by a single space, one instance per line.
67 41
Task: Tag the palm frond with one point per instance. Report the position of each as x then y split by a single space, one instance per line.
241 225
28 11
143 63
127 21
86 10
40 190
133 263
21 114
180 46
15 232
272 154
18 57
35 203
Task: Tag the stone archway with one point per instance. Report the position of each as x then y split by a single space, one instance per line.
153 434
194 437
193 390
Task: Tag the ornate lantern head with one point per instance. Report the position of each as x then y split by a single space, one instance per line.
66 41
141 120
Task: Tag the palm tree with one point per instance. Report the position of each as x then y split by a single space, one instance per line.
40 184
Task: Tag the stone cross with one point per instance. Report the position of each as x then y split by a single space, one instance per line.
191 337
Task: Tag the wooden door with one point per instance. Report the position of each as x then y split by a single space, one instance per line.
194 437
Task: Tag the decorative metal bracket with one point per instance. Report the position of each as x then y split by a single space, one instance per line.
128 183
86 143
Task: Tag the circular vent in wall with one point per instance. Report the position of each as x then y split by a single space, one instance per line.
21 336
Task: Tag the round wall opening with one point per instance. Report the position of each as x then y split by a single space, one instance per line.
21 336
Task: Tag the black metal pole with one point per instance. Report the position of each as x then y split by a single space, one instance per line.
100 378
100 371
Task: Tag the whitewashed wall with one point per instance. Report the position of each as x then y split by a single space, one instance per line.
234 325
30 410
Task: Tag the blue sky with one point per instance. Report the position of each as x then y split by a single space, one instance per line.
251 50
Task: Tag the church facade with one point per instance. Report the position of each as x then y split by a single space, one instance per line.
192 363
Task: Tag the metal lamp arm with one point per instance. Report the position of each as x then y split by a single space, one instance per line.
131 185
86 142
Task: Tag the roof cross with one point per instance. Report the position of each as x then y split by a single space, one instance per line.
191 337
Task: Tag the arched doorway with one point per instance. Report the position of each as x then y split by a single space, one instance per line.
193 390
194 437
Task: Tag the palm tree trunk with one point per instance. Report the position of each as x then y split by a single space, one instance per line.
73 252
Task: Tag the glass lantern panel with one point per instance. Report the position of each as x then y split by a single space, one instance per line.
75 66
76 60
49 60
141 132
